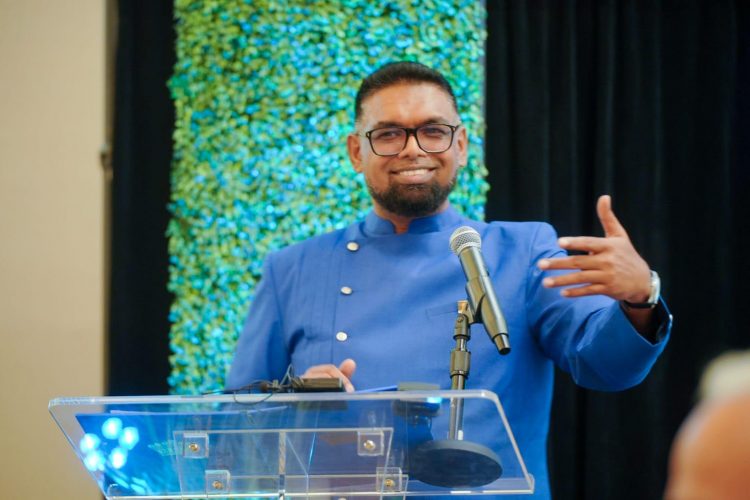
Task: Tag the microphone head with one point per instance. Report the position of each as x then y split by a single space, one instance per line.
465 237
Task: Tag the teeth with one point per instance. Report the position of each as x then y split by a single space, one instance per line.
411 173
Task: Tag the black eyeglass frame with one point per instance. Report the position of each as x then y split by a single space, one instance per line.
412 131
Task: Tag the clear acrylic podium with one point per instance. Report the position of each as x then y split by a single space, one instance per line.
335 445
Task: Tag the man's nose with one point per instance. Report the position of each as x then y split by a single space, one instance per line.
412 149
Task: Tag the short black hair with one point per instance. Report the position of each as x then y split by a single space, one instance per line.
400 72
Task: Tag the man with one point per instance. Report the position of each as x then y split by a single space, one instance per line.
711 454
375 303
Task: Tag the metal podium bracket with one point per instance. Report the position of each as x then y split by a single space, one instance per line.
195 445
218 482
370 443
390 480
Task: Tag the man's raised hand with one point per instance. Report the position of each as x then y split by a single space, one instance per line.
611 265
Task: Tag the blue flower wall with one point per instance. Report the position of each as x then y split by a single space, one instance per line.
264 94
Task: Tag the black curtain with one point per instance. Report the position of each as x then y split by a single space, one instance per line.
647 101
138 347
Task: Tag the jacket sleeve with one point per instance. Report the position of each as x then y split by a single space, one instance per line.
588 337
261 352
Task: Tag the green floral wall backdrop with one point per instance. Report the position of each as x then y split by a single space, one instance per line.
264 92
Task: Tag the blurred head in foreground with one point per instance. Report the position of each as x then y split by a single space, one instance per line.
711 454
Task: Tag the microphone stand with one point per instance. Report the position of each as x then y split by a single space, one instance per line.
460 365
453 462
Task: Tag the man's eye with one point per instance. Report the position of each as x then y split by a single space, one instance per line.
434 131
387 134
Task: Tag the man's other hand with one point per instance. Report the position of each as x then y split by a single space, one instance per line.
344 371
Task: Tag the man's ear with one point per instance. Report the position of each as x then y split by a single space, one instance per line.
462 142
354 148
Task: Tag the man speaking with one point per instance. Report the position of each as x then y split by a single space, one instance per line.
375 303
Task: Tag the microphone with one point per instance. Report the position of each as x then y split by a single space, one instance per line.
466 244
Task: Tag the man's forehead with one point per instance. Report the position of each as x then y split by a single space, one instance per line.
429 99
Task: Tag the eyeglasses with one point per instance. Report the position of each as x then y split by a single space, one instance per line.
431 138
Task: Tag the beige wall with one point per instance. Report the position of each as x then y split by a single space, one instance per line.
51 236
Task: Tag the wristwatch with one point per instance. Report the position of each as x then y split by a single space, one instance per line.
653 296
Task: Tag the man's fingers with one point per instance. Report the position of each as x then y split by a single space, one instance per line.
583 243
611 225
583 277
581 291
607 266
347 367
572 262
322 371
331 371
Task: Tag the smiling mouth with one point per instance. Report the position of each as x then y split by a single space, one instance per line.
413 172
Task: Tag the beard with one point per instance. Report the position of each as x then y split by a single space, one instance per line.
413 200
